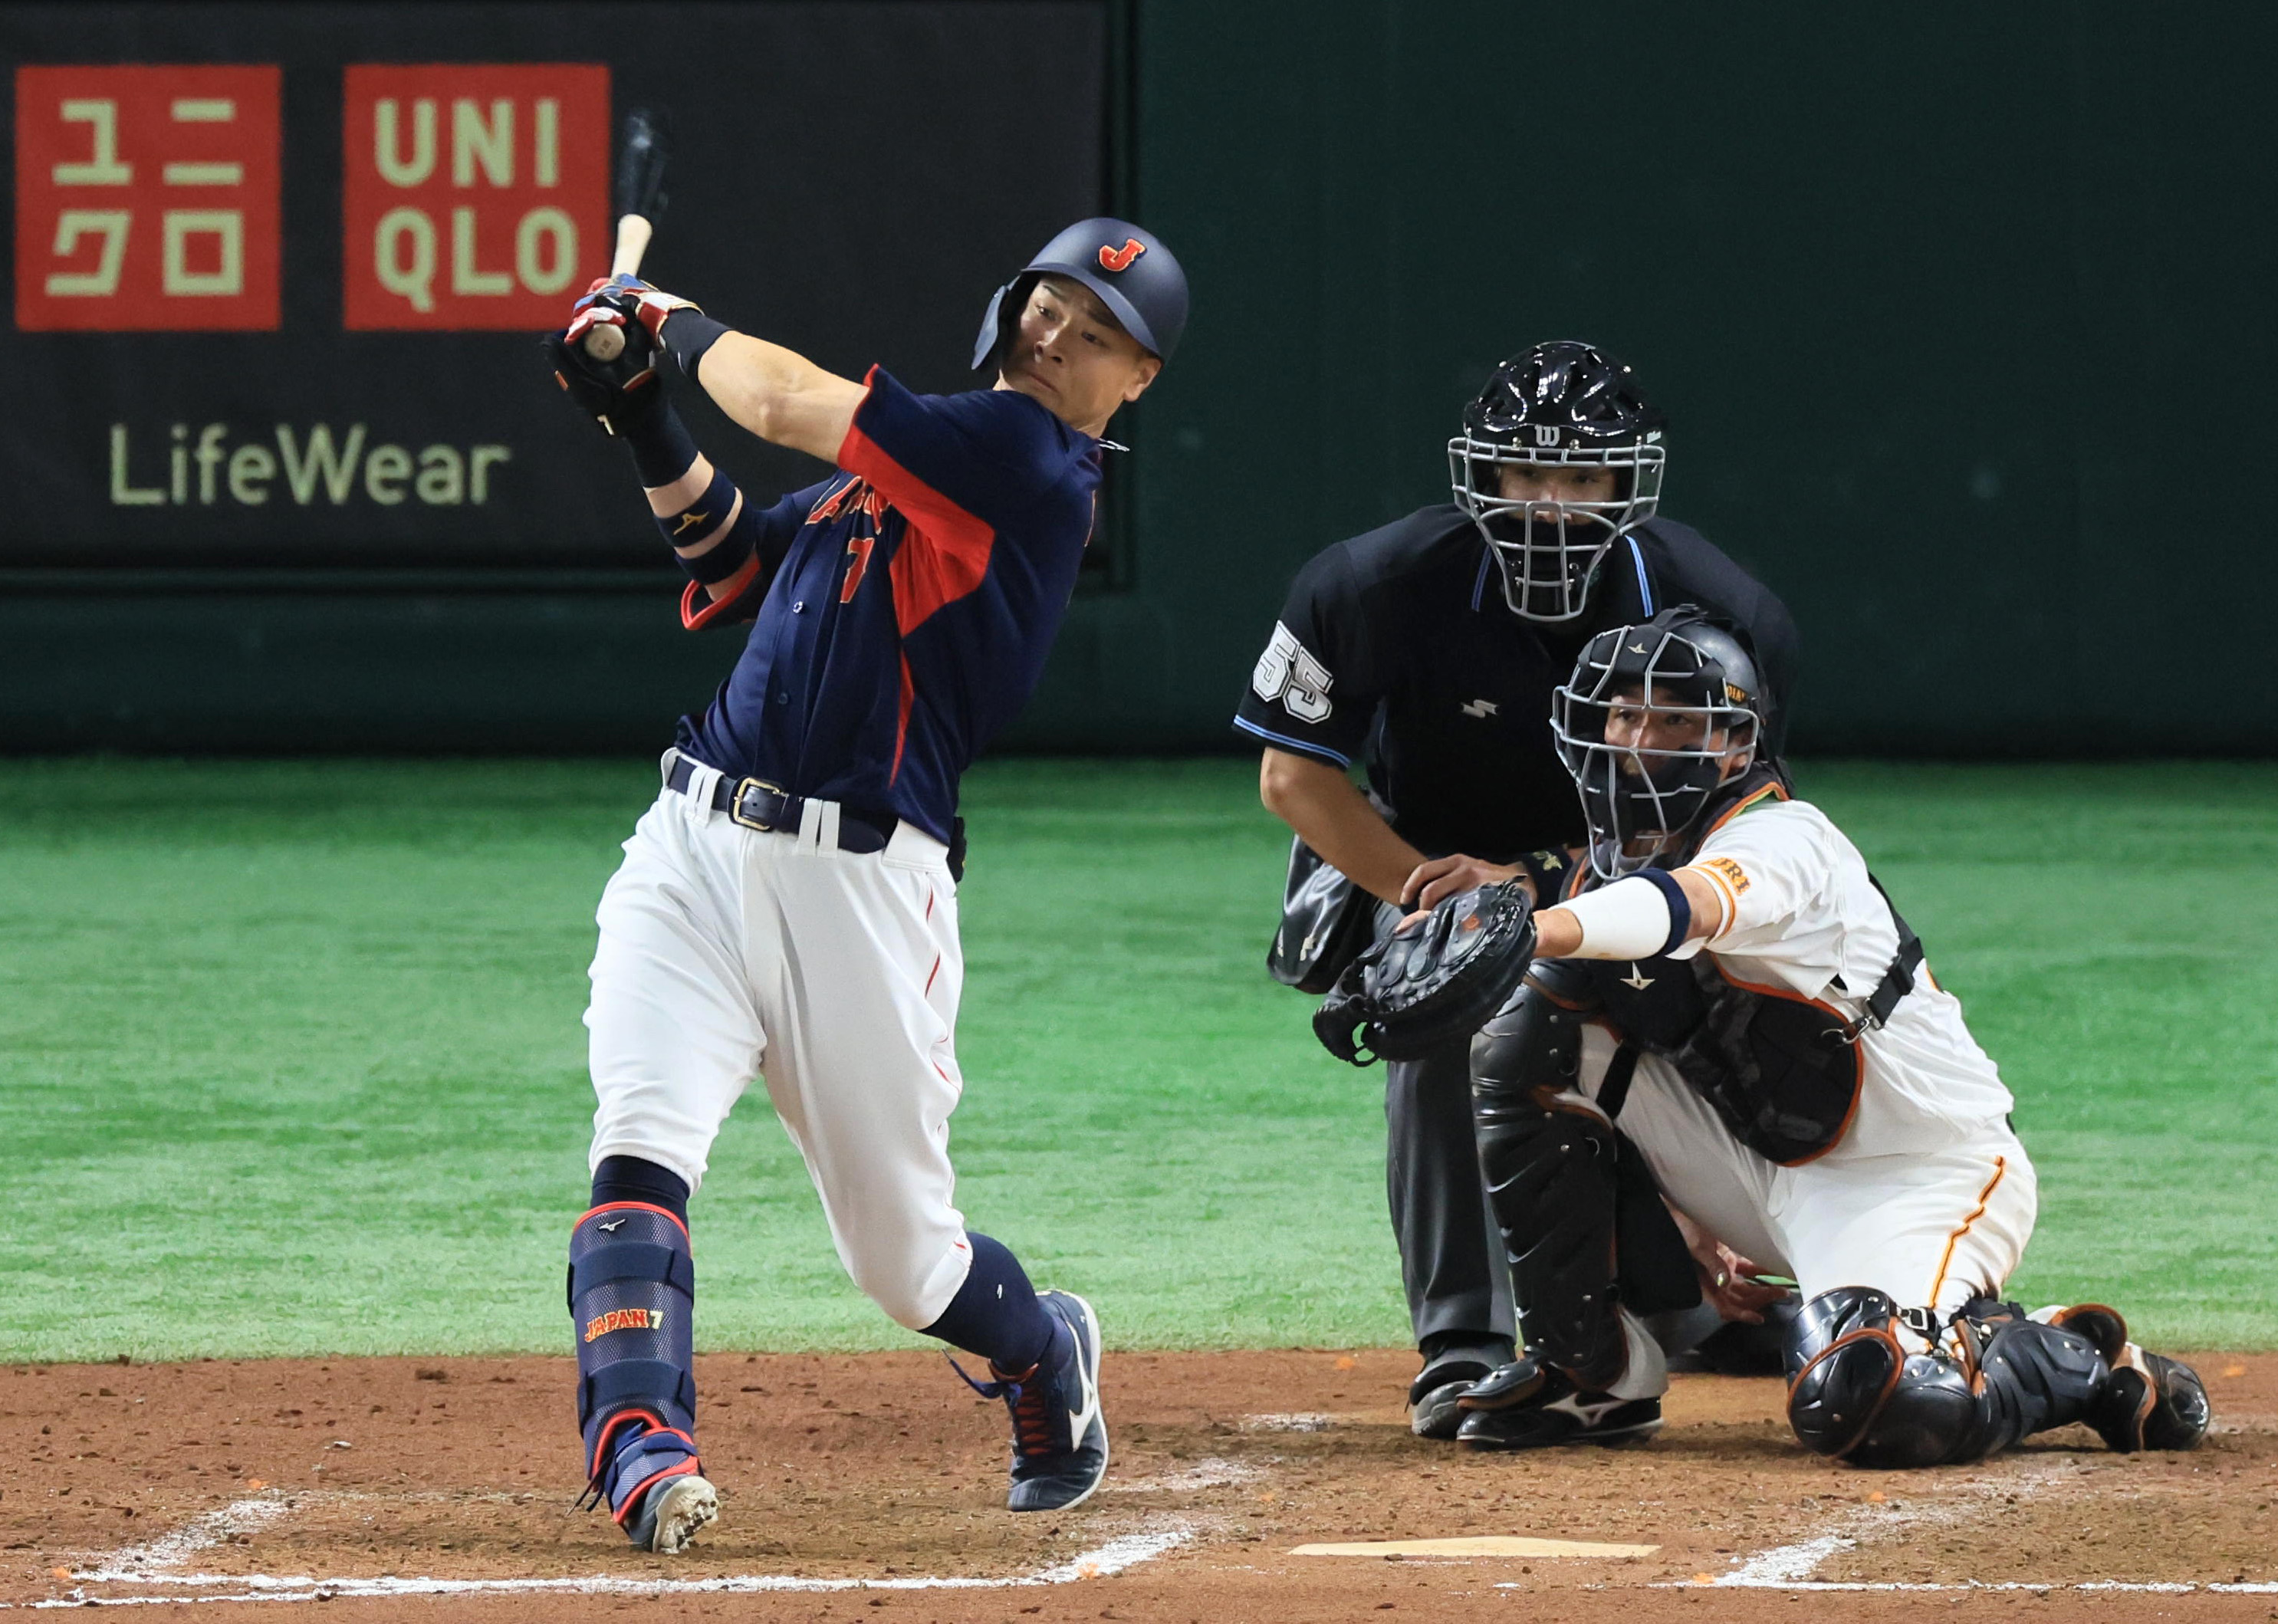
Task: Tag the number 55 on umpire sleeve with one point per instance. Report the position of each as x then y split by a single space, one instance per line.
1288 672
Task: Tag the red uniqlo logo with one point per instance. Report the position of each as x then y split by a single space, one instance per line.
146 198
475 196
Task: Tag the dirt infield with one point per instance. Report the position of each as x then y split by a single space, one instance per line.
443 1490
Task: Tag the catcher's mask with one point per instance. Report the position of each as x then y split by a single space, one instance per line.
1565 404
1655 720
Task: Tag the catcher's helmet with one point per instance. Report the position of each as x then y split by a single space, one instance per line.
1137 277
1563 404
1698 681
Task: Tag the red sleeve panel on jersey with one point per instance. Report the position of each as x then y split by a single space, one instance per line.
944 555
699 609
991 453
944 550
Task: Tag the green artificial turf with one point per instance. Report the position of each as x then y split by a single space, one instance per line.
290 1059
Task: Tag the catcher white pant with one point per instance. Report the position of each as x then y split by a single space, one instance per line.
1932 1227
726 953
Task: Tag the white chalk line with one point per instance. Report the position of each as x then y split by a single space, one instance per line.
1211 1472
2146 1587
1306 1420
1785 1567
1118 1555
1790 1568
171 1550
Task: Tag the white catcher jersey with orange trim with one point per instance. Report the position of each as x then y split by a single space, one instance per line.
1802 915
1929 1195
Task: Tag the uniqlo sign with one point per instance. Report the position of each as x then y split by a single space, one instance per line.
146 198
475 196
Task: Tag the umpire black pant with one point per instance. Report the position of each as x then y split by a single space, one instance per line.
1451 1257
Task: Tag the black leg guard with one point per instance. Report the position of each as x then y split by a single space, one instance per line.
2152 1401
1856 1393
1547 1156
632 1295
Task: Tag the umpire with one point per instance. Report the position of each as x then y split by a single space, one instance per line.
1428 650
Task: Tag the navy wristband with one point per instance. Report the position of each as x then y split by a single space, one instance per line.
701 518
662 450
1681 910
724 557
716 564
688 333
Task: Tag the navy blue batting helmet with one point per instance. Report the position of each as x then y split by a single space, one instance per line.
1137 277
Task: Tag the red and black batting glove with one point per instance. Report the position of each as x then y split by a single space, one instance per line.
625 396
620 298
640 311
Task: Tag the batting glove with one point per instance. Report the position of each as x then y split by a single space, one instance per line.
625 396
628 296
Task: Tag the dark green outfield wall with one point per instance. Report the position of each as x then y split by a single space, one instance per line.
1962 313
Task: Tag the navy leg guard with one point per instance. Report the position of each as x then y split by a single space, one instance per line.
632 1297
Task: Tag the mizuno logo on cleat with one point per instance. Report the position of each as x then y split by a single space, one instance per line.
612 1227
1590 1412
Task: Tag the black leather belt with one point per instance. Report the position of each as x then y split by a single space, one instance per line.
757 804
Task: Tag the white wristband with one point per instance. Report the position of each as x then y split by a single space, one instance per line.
1629 919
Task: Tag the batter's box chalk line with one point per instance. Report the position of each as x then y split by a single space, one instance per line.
1984 1586
155 1565
1305 1421
1790 1568
1211 1472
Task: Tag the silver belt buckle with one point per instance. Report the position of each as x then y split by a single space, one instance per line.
736 803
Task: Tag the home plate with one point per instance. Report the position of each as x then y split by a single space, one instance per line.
1484 1545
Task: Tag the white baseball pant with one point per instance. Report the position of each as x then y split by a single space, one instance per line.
1933 1229
728 952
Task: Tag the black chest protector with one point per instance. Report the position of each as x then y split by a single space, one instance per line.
1782 1071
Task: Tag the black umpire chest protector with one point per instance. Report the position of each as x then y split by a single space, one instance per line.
1782 1071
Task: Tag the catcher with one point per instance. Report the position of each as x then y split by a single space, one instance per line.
1726 1006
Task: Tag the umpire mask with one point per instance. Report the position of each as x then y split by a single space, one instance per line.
1654 722
1565 404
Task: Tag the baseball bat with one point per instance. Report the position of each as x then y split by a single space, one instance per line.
639 196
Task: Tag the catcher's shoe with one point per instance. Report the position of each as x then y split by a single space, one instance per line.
2149 1401
1432 1397
1059 1436
655 1488
1528 1404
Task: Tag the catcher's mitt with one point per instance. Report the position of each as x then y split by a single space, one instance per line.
1438 978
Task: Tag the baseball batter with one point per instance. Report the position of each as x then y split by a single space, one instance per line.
787 909
1726 994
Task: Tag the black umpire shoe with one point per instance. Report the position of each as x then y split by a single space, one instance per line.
1526 1404
1433 1396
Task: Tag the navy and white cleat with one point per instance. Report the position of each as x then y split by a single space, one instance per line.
654 1487
670 1513
1059 1436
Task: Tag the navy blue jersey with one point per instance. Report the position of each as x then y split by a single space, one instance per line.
910 601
